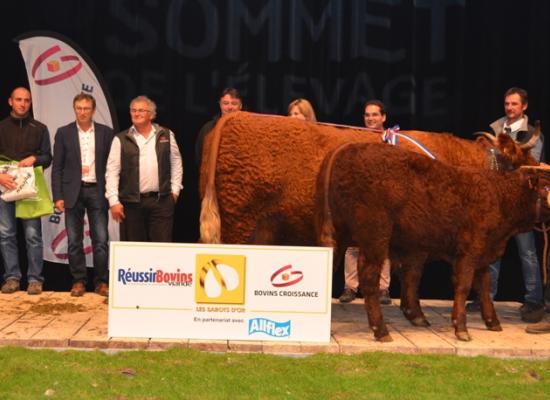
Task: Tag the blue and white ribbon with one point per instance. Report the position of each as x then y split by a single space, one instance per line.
391 136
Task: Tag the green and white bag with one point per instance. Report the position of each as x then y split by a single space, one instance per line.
23 178
39 205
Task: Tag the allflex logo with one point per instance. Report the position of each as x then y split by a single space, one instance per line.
269 327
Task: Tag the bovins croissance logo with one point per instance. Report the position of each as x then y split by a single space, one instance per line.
284 276
127 276
281 279
55 69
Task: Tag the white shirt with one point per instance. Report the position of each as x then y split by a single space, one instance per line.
148 165
516 126
87 153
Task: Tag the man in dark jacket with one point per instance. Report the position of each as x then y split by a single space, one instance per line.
80 155
230 101
27 141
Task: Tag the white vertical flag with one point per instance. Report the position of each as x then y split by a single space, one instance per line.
58 70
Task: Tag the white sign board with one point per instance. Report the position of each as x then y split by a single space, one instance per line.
231 292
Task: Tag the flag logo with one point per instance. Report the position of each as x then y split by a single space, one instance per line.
49 62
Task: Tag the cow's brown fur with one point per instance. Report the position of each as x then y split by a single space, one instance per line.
258 174
407 207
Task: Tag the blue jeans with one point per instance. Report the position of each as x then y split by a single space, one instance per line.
527 252
8 244
91 201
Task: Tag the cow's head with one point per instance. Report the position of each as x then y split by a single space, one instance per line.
543 201
538 180
506 153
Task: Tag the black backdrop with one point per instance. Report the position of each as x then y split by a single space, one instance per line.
438 65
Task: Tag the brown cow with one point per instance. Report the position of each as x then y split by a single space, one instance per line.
258 173
400 205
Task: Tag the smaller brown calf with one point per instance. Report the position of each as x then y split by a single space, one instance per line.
404 206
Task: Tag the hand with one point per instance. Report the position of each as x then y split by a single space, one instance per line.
174 197
27 162
117 212
7 181
60 205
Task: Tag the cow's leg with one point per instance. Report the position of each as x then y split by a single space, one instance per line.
463 274
369 278
410 281
403 304
488 313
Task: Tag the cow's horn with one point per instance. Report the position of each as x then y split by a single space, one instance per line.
491 138
542 166
531 143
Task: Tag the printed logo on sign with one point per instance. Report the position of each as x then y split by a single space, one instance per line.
137 276
221 279
48 69
282 278
269 327
285 277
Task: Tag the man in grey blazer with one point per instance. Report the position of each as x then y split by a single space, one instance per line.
81 149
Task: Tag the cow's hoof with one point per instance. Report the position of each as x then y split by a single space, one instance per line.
494 327
385 338
420 321
463 336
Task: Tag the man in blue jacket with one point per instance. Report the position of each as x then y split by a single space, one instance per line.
81 149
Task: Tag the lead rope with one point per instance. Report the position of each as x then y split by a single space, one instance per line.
544 229
391 136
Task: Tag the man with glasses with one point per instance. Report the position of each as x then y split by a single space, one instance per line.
78 186
144 175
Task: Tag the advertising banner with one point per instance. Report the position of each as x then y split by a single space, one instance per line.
233 292
58 70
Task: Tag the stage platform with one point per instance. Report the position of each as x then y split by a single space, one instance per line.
57 320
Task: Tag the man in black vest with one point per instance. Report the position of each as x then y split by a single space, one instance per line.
144 175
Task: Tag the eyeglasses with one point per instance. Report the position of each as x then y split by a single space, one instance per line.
138 110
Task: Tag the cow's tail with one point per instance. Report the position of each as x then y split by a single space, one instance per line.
326 232
210 220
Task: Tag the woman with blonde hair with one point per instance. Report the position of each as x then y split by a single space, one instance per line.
302 109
